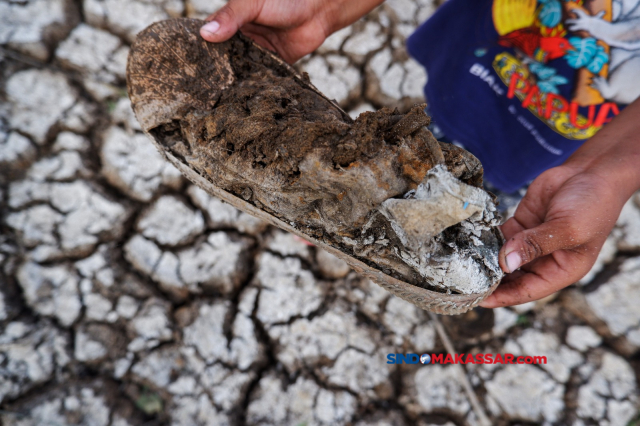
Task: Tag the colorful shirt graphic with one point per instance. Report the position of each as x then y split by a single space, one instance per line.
522 83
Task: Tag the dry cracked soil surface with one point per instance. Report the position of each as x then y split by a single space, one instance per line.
130 297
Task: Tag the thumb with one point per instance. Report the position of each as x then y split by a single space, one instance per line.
530 244
224 23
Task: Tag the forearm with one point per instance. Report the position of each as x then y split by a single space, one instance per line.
614 152
341 13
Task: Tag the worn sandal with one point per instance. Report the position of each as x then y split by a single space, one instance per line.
379 192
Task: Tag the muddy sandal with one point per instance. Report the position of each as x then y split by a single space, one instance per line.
379 192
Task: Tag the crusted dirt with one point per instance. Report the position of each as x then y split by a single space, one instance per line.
256 129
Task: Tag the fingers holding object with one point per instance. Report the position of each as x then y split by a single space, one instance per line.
224 23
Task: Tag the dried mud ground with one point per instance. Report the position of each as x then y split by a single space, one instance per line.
130 297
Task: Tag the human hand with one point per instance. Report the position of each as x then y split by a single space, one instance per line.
555 236
559 227
292 28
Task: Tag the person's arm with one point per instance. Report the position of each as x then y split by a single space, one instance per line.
561 224
293 28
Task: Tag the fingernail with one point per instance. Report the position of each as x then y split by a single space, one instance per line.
486 303
211 27
513 261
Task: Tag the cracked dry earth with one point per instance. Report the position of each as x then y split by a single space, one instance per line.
130 297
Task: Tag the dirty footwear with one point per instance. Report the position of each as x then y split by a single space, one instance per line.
379 192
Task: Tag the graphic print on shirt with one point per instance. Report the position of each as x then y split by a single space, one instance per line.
599 39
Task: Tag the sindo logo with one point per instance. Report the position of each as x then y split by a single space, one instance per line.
403 358
408 358
479 358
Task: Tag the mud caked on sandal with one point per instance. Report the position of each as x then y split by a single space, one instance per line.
379 192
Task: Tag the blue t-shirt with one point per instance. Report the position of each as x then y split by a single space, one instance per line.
510 81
